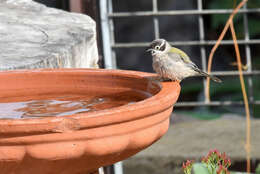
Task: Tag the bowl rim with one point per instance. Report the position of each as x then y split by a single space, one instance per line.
159 102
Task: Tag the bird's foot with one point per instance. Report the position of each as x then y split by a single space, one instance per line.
169 80
166 80
163 79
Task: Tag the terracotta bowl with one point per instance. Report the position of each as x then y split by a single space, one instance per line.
81 143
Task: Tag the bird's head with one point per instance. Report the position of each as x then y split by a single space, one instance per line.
158 47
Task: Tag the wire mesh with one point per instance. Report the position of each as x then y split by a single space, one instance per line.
202 43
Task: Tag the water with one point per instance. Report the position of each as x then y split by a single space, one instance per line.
53 105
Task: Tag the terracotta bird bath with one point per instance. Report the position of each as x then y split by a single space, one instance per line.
128 112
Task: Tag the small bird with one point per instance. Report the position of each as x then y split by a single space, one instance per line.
174 64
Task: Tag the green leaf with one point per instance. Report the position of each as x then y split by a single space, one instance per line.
257 170
199 168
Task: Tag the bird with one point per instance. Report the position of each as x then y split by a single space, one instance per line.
171 63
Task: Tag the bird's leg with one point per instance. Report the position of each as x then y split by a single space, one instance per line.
173 80
162 79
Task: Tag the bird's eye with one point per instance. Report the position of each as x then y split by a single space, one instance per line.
157 47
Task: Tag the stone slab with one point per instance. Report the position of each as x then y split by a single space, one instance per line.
35 36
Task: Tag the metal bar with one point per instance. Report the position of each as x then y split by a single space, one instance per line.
112 35
118 167
101 170
248 57
202 48
186 43
232 73
213 103
108 62
156 21
180 12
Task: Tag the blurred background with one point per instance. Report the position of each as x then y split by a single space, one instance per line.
125 29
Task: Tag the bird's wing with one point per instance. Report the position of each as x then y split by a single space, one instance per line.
179 54
185 58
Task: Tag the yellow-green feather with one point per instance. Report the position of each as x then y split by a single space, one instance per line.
183 55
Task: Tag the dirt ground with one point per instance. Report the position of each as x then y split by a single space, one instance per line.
188 138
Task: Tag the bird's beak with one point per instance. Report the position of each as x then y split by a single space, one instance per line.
149 50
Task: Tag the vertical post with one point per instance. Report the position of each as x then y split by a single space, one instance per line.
202 48
248 60
111 34
76 6
106 30
156 21
118 167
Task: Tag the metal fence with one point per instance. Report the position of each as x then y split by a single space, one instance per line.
109 44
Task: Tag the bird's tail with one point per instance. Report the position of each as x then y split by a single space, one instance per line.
214 78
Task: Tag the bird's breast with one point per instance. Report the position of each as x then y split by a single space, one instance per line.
168 68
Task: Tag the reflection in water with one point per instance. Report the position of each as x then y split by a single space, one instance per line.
63 105
50 107
40 108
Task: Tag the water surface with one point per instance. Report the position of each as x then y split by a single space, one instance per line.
60 105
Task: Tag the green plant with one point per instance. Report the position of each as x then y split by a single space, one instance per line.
214 163
187 166
257 170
